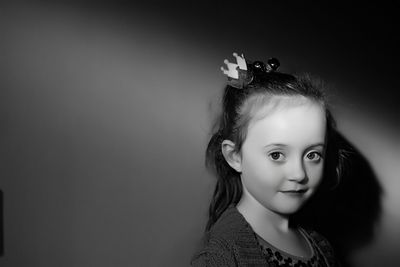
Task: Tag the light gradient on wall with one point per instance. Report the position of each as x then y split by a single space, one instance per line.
105 118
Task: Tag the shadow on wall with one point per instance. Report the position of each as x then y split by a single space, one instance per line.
347 215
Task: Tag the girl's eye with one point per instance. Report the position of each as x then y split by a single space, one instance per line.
313 156
276 156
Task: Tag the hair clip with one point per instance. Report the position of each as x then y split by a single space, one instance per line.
241 74
237 73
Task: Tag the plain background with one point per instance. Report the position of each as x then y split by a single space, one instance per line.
105 112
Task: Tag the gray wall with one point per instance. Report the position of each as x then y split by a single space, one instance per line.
105 113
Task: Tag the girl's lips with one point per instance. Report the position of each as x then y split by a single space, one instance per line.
300 191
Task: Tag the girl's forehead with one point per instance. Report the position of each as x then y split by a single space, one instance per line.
297 122
263 107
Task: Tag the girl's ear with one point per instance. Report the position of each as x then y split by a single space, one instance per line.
231 156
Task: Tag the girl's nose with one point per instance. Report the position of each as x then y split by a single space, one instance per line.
297 172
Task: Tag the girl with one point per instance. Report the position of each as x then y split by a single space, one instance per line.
274 147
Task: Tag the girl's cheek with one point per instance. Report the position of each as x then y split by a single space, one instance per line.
315 173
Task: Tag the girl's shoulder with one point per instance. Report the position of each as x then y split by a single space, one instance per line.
225 232
218 244
215 252
323 246
227 242
228 226
318 238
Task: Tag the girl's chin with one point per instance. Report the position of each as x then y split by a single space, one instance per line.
288 208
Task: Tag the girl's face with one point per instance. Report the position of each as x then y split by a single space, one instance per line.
282 157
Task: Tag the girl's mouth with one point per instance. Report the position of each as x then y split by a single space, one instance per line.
294 192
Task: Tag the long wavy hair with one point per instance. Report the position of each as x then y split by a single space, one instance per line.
239 106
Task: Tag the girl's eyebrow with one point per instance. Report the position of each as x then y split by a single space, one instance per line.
279 145
317 144
284 145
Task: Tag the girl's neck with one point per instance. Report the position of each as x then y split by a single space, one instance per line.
273 227
260 218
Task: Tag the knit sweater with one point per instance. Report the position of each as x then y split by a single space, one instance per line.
232 242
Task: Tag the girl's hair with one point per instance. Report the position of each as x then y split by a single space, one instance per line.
239 107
